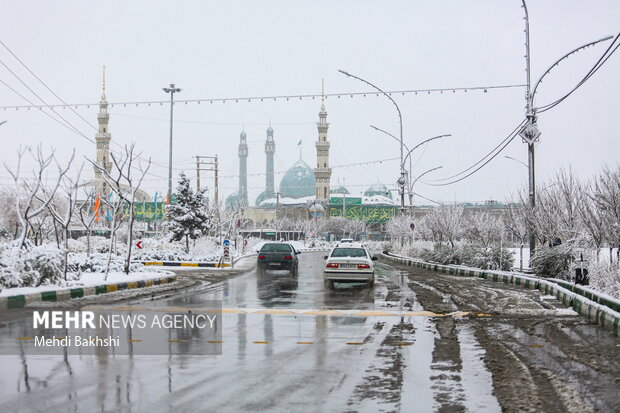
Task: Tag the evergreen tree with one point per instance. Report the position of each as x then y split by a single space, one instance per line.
188 216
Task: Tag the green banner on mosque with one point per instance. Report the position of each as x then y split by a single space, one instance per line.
373 214
147 211
337 200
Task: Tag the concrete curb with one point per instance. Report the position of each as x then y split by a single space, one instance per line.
18 301
183 264
593 307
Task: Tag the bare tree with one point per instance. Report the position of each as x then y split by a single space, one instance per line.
62 211
516 220
448 220
125 185
87 215
592 218
606 196
484 227
28 211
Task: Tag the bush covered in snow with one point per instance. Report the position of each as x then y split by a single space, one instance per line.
605 278
489 258
553 262
37 265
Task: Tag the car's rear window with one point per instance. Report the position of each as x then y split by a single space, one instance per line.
348 252
276 248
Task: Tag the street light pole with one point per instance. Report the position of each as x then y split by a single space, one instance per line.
530 133
416 180
409 151
172 90
402 180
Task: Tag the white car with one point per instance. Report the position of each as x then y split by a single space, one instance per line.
350 262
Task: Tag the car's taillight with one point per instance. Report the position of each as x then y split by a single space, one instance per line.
261 257
288 257
332 265
363 266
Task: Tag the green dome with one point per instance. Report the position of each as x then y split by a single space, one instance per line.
232 202
340 189
262 196
298 181
378 189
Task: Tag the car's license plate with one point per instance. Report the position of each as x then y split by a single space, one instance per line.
348 265
277 264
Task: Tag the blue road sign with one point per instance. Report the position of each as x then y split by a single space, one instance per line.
226 242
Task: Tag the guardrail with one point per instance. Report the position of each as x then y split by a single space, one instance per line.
596 307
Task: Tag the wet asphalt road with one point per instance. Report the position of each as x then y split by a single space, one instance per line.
282 362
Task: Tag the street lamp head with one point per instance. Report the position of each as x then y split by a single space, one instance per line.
165 89
344 73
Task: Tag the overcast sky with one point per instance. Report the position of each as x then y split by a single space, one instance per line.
215 49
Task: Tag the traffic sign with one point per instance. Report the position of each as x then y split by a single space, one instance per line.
226 242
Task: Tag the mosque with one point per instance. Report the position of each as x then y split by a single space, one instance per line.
303 191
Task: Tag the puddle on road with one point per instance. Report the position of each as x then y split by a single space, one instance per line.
476 380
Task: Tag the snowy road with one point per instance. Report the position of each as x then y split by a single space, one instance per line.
514 350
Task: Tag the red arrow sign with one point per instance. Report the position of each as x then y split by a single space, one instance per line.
139 244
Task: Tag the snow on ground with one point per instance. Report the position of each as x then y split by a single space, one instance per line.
88 280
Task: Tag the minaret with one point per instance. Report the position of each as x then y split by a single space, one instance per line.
270 150
322 172
103 145
243 170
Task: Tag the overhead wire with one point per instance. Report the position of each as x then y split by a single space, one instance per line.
502 142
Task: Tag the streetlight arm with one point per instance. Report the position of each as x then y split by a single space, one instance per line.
376 87
516 160
400 117
389 134
422 143
557 62
422 174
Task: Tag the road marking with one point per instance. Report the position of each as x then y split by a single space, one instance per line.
294 311
134 340
355 343
214 341
176 341
536 345
400 344
24 338
284 312
305 342
261 342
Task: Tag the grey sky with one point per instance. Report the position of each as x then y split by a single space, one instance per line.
248 48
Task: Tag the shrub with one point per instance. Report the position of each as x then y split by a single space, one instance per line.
35 266
553 261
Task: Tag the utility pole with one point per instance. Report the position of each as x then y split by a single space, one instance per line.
172 90
211 164
216 181
197 173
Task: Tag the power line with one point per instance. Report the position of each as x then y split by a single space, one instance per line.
66 123
278 97
503 142
509 139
